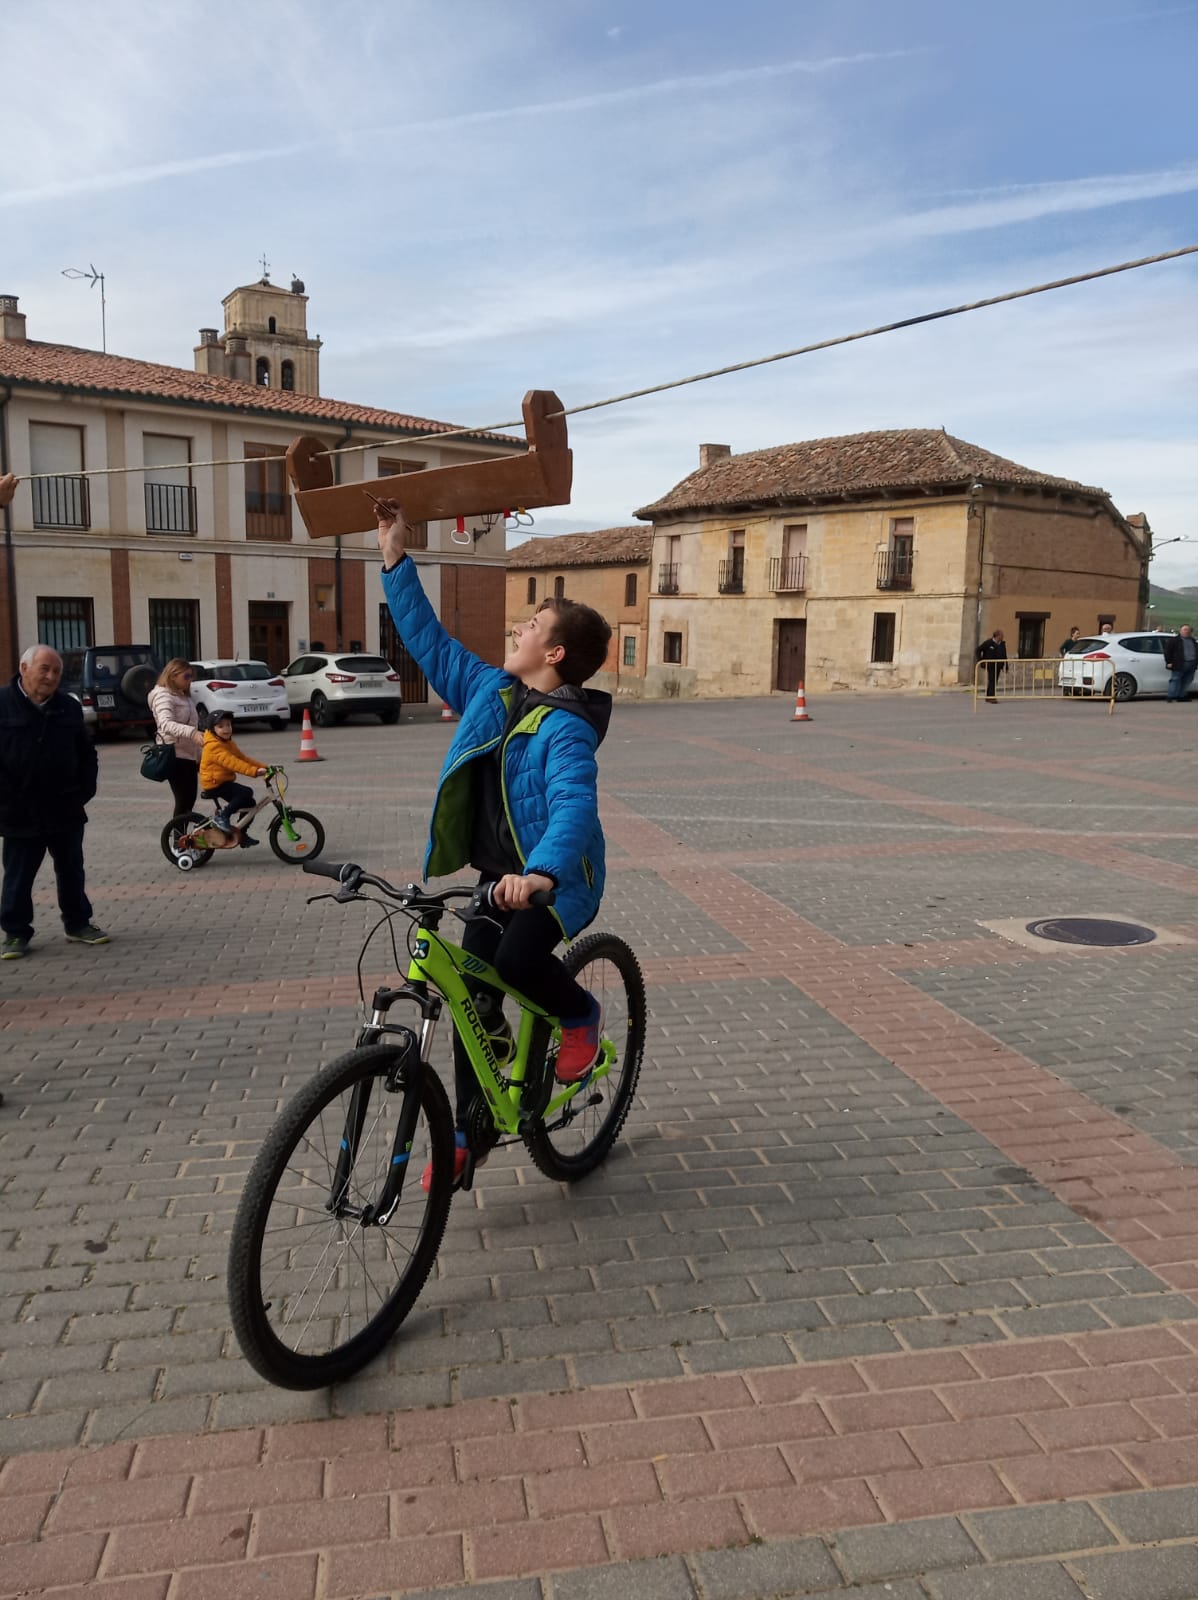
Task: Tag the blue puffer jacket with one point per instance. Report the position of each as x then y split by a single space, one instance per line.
548 761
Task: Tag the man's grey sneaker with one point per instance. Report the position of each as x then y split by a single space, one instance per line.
89 935
14 949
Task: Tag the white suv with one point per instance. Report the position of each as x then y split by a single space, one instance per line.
1137 661
249 689
335 686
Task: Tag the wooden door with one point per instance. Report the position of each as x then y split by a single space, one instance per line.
269 633
792 653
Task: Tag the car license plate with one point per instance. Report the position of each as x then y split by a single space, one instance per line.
106 700
257 708
370 683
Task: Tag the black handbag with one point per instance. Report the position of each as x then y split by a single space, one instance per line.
157 761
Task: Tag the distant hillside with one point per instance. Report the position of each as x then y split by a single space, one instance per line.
1169 608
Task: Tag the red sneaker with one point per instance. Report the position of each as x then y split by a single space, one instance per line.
579 1049
459 1166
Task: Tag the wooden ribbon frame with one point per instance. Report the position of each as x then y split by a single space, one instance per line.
542 476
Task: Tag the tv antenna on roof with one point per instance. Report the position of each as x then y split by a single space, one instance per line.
93 277
265 267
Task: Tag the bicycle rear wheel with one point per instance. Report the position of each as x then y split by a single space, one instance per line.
577 1138
174 830
308 841
317 1289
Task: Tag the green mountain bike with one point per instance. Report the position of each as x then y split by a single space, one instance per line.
336 1234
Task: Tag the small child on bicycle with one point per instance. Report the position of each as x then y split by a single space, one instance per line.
517 799
220 759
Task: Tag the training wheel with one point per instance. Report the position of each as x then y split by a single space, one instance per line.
185 861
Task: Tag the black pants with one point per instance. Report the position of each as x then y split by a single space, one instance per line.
22 858
234 796
184 779
519 945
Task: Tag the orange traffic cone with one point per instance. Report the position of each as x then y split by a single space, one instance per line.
308 740
801 714
446 713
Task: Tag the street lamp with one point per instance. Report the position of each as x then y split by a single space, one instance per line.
93 277
1159 544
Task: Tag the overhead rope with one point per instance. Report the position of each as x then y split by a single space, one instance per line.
674 383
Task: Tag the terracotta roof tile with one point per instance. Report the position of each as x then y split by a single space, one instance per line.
852 464
59 366
605 547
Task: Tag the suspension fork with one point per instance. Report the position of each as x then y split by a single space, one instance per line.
413 1064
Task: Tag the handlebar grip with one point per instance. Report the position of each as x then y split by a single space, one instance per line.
329 869
542 898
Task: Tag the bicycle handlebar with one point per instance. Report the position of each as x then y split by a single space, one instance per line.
352 877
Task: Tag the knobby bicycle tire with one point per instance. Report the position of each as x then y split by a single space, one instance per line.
282 1294
306 850
554 1145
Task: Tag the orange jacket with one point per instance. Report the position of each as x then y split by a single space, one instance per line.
221 760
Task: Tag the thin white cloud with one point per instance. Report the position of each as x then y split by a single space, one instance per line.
131 177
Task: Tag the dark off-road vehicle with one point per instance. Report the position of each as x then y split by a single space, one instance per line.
114 682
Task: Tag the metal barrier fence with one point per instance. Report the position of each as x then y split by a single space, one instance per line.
1040 679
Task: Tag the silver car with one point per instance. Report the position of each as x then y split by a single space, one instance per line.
249 689
336 685
1137 661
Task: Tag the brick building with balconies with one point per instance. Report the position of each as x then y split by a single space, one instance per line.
199 551
876 560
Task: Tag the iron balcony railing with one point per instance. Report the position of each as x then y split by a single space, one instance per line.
788 572
61 502
895 568
170 508
732 577
667 578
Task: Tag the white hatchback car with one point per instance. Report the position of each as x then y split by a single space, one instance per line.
1137 661
249 689
335 686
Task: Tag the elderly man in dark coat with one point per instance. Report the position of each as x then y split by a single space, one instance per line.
993 651
48 772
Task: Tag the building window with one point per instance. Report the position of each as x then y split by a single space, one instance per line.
262 373
531 599
61 499
169 496
671 649
732 571
630 589
883 645
630 650
559 588
270 325
65 624
175 629
416 537
267 503
287 375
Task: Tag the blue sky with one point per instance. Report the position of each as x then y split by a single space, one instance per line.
486 197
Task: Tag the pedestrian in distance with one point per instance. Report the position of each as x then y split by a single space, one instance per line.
1106 628
993 651
220 762
518 798
1181 658
48 772
1067 644
177 725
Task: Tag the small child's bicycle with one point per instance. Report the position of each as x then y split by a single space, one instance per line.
295 836
336 1234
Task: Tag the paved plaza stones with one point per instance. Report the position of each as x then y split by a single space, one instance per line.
889 1289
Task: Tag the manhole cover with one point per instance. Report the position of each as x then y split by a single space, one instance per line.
1090 930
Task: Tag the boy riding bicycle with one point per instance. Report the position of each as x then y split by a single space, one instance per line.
517 798
220 760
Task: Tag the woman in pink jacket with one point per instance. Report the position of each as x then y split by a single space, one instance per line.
176 723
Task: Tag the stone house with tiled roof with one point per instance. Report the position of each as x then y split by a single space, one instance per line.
199 551
876 559
607 569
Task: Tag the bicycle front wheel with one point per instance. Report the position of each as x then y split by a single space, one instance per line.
308 841
317 1284
578 1137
